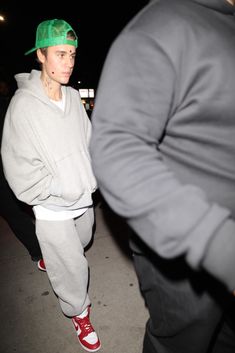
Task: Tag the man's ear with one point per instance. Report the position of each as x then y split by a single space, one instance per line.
40 55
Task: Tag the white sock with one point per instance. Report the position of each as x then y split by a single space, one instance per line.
83 314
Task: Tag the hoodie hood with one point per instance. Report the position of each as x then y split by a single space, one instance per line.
27 80
219 5
32 84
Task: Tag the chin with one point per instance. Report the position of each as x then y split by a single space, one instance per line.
65 80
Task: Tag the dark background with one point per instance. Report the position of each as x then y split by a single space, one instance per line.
96 24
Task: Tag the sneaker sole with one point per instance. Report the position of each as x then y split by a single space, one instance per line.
87 349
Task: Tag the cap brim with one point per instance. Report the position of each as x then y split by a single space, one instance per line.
30 51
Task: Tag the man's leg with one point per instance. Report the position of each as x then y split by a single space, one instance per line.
182 318
19 221
66 265
84 226
225 340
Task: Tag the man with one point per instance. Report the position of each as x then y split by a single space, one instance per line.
47 165
11 209
163 151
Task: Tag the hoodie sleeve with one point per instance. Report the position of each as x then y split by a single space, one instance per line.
132 106
24 170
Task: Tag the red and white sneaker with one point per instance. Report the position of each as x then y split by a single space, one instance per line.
41 265
86 334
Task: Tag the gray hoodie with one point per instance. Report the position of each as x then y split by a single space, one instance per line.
45 150
163 141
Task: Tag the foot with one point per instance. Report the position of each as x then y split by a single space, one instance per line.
87 336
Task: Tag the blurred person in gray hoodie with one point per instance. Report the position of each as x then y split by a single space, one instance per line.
16 213
47 164
163 152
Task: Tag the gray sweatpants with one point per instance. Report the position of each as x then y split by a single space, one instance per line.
62 244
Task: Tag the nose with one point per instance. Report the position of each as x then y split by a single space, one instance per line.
70 62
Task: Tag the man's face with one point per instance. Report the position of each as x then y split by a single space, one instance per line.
232 2
59 62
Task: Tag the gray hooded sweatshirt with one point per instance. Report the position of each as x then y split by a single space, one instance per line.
163 141
45 150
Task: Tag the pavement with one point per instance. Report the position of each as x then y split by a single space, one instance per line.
31 320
